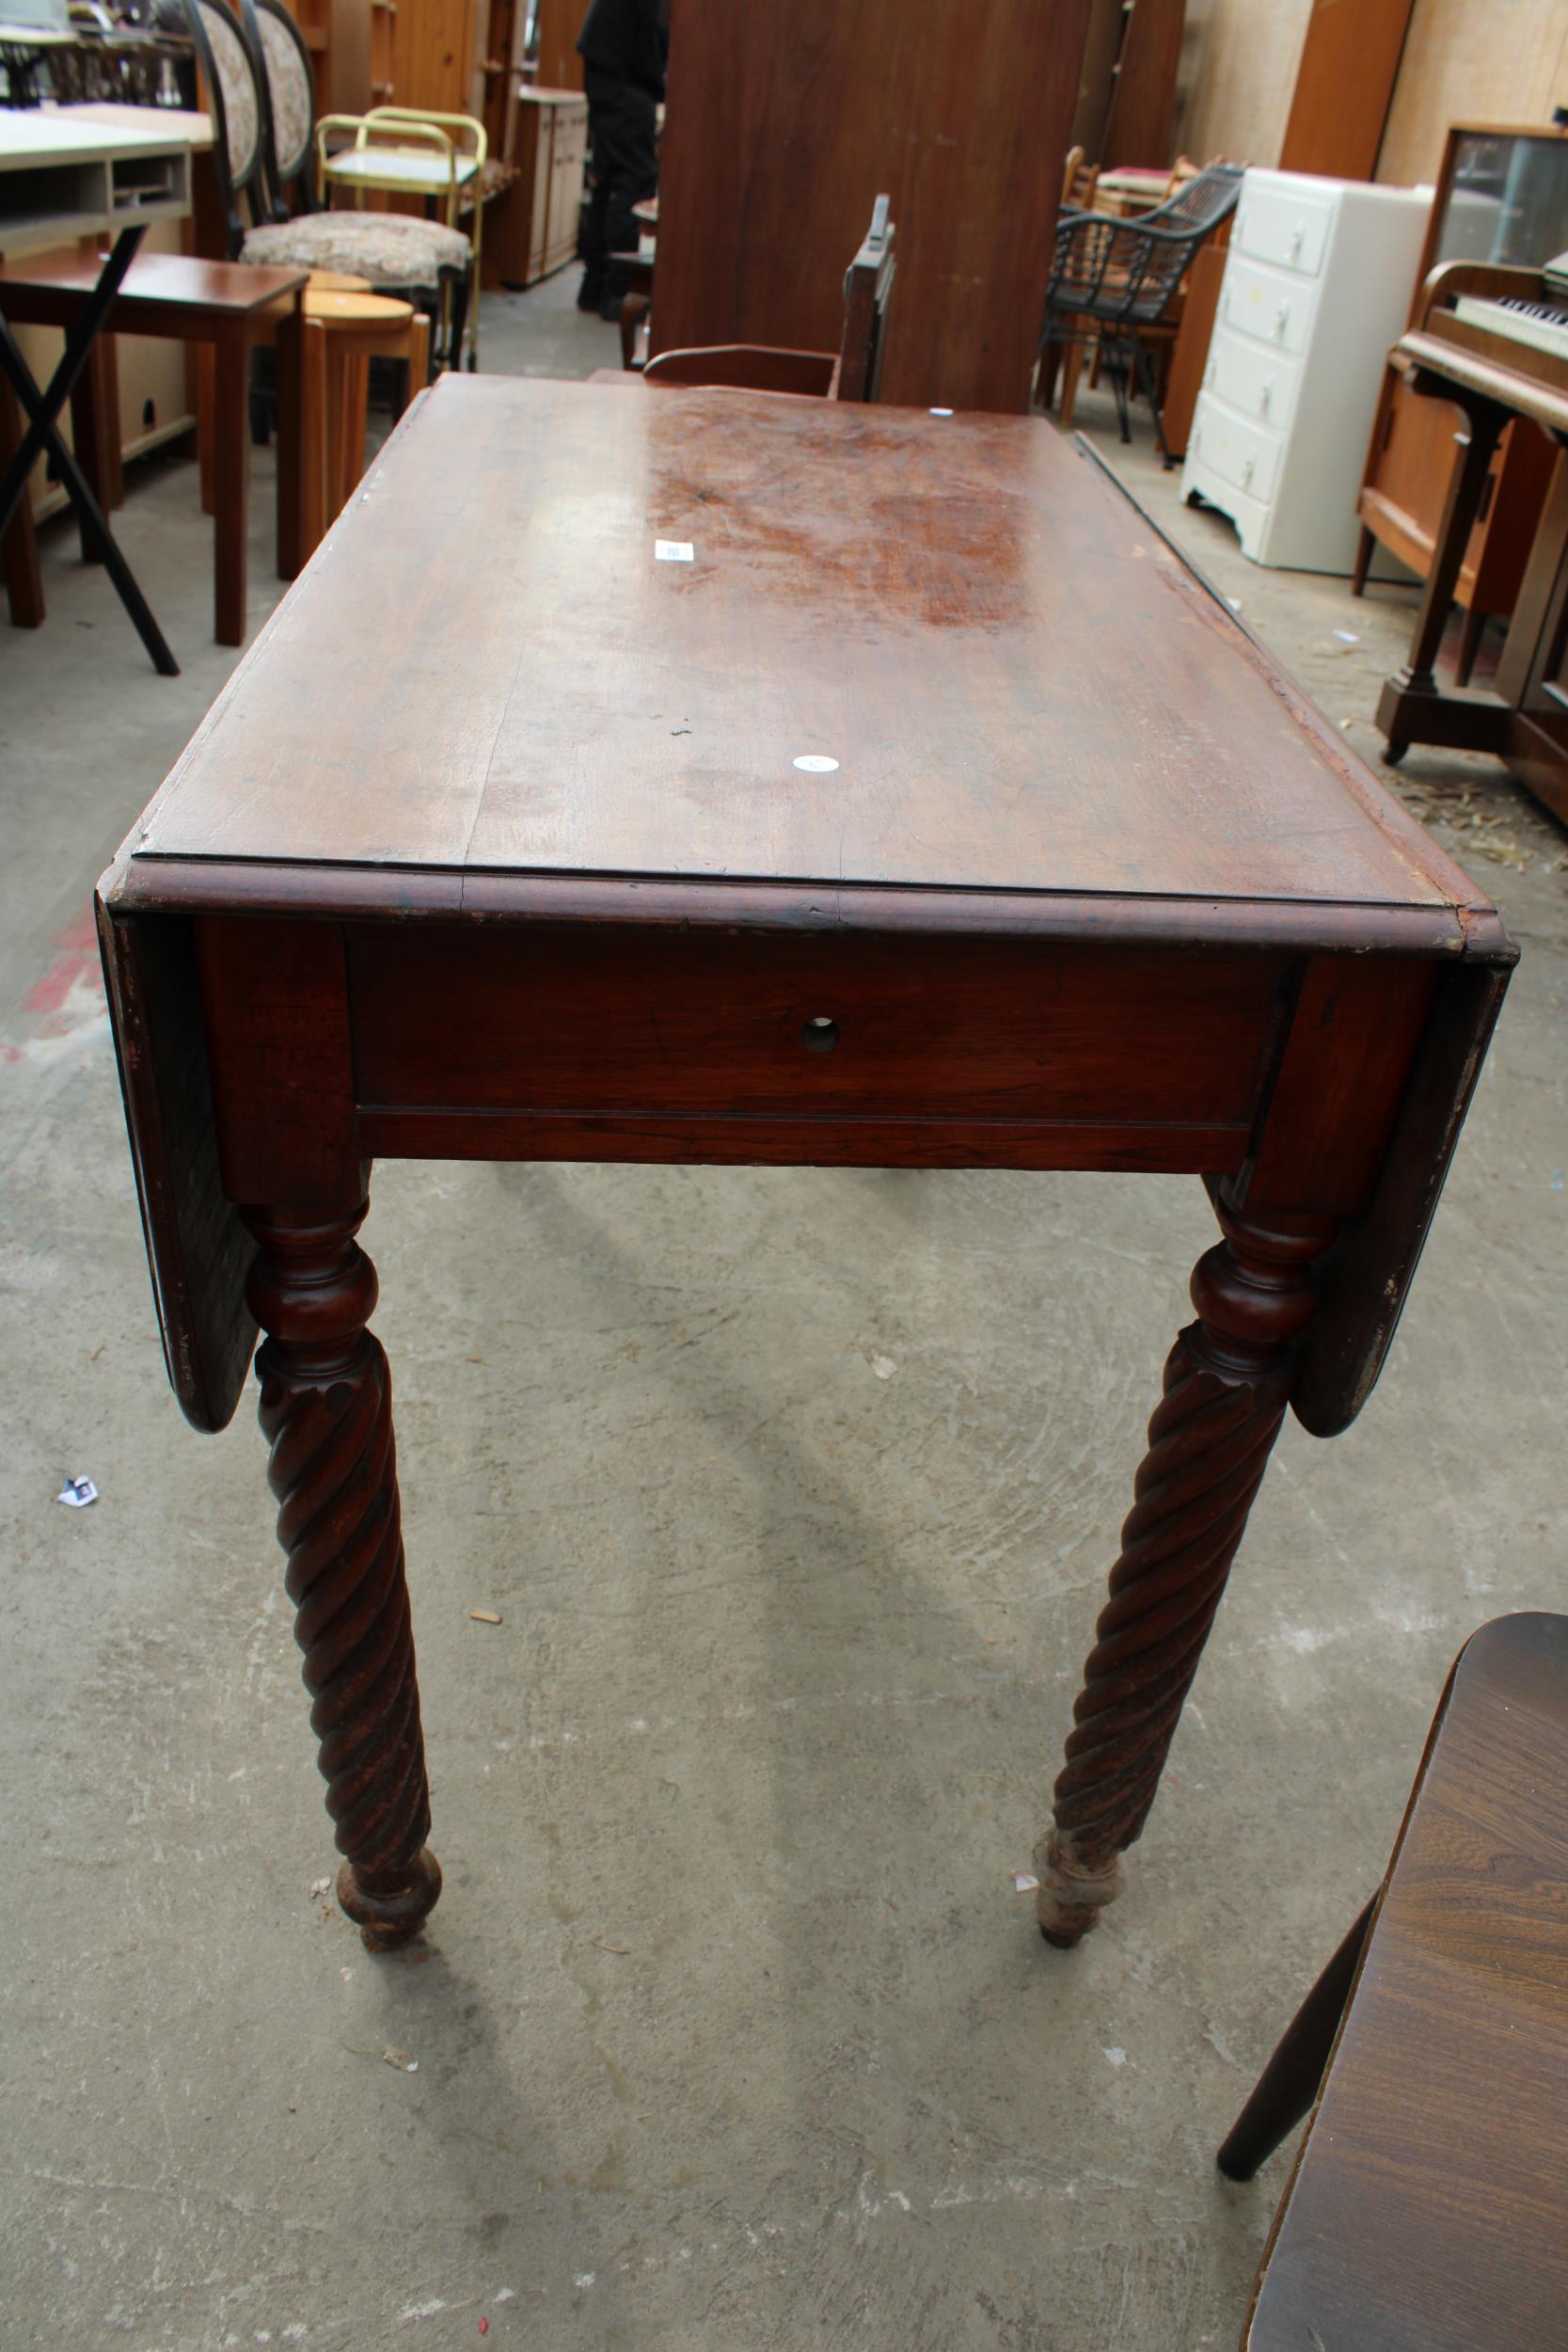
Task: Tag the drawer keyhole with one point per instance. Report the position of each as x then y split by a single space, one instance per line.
819 1035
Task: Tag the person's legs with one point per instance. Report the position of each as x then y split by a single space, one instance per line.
626 170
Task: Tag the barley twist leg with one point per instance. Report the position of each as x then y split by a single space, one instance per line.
1227 1385
327 1412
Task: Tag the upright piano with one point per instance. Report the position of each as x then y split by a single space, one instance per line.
1493 342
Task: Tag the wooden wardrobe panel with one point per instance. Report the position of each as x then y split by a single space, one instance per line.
787 118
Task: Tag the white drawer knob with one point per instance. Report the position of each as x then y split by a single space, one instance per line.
1297 233
1280 317
1264 399
1246 470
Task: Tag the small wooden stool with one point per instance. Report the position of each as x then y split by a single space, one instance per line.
1425 2211
343 333
353 326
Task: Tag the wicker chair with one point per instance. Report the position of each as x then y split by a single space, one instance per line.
1116 280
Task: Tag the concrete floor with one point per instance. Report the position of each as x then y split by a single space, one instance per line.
795 1493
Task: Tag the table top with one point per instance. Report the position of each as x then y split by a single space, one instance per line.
175 281
188 122
998 676
53 194
85 135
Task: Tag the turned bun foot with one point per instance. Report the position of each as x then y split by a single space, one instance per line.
387 1916
1072 1894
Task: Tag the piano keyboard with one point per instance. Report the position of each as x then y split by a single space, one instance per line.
1543 326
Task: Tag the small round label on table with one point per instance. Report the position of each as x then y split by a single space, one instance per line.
816 763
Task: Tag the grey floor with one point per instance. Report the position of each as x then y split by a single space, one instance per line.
795 1493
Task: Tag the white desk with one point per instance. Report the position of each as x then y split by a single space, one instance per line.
67 172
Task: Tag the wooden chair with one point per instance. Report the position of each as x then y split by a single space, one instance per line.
638 269
1079 183
1425 2211
852 373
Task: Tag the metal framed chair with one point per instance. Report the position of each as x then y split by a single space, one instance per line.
410 150
1116 282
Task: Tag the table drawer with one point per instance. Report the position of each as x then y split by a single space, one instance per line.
1266 305
548 1017
1285 225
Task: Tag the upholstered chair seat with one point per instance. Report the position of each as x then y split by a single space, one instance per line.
388 248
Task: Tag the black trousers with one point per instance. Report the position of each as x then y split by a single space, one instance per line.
625 171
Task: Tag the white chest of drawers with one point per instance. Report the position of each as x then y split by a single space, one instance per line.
1317 286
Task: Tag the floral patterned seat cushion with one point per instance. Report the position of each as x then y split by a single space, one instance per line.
388 248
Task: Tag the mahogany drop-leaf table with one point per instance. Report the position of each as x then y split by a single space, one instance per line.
736 780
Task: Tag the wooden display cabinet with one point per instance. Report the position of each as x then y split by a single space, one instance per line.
533 227
1502 196
340 35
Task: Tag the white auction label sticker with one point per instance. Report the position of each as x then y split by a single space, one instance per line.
674 551
816 763
942 412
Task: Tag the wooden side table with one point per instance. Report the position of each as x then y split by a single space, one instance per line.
775 782
227 309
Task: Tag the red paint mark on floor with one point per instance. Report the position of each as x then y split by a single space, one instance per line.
70 996
75 957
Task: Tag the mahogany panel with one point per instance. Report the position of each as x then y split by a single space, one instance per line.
1367 1276
198 1253
771 1140
1425 2211
823 1025
1357 1024
1140 126
274 998
1349 63
787 118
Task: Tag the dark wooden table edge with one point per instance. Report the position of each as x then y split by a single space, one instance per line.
39 302
1369 795
144 882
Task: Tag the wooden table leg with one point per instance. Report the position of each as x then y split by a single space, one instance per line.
19 546
205 397
290 441
315 437
1411 697
327 1412
94 435
230 483
1228 1381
